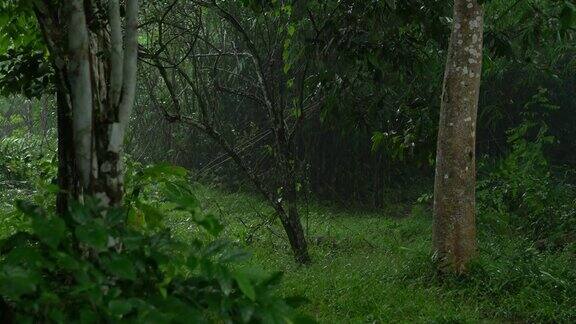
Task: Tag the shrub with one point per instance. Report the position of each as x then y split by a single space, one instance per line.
521 192
96 265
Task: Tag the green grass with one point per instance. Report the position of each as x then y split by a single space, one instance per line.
371 267
375 266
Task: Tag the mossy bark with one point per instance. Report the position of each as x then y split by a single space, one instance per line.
454 229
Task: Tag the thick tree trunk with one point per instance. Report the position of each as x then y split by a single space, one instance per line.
95 94
454 229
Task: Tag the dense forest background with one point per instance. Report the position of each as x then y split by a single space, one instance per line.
304 132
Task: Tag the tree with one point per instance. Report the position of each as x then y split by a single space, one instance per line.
95 69
454 229
277 87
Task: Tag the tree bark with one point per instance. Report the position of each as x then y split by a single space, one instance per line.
68 178
454 228
291 220
95 94
287 164
80 89
68 181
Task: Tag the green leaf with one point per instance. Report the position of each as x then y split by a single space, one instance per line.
93 235
303 319
88 316
377 139
235 255
210 224
273 279
17 282
246 312
119 307
568 16
116 216
182 196
49 230
66 261
28 256
80 213
225 284
29 209
296 301
291 30
153 217
121 266
57 316
245 285
160 171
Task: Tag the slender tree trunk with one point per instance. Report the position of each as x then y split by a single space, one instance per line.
291 221
80 90
454 229
286 159
68 181
290 216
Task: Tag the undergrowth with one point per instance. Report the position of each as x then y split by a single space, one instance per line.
369 267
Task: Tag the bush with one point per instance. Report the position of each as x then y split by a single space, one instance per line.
97 265
521 193
509 281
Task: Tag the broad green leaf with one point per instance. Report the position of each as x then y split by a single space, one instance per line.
182 196
245 285
210 224
119 307
49 230
93 235
121 266
160 171
17 282
153 217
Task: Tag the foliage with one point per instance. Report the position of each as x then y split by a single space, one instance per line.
27 169
91 266
24 67
522 193
22 161
511 280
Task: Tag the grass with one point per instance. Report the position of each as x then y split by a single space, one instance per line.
374 267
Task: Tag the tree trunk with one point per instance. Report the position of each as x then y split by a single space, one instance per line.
454 229
95 94
67 177
291 220
289 214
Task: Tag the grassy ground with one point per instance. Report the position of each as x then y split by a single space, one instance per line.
374 267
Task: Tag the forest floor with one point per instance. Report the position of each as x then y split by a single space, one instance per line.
375 267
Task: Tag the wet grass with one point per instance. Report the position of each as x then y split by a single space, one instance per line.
375 267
